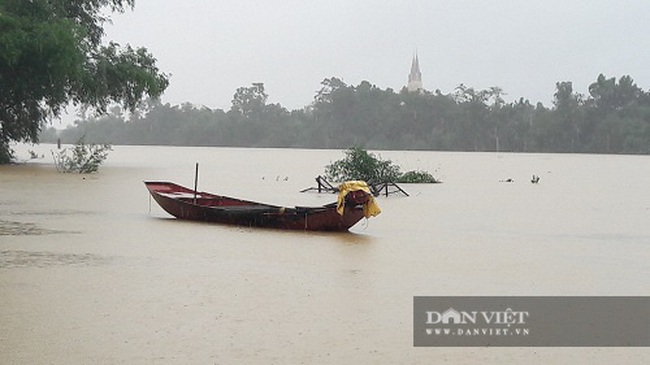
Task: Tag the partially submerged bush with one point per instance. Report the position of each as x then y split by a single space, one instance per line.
417 177
81 158
359 164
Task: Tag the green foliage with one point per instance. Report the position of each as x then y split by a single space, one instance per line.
249 100
51 54
81 158
613 118
359 164
417 177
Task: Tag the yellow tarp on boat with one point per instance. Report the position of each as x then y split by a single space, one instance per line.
370 208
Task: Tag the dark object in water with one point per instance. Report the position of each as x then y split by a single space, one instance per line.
183 203
323 186
385 188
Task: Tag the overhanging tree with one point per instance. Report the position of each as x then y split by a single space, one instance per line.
51 54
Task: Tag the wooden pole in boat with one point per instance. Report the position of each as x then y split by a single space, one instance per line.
196 180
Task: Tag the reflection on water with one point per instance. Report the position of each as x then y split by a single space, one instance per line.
351 238
91 273
354 237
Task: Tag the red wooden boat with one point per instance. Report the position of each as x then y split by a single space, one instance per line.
183 203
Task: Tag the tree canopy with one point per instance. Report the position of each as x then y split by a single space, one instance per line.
359 164
613 118
51 55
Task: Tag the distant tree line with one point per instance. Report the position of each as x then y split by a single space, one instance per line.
613 118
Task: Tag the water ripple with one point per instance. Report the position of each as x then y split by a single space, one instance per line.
11 228
23 259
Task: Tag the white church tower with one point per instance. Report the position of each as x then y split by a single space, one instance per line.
415 77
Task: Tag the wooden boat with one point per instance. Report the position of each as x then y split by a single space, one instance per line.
188 204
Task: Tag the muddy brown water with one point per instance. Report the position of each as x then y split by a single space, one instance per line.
92 271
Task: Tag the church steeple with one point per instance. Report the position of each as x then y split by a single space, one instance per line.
415 77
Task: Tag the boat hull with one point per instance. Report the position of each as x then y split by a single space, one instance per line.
185 204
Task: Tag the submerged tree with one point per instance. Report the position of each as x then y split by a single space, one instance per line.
51 54
360 164
83 158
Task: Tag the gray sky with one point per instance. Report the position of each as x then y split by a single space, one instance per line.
213 47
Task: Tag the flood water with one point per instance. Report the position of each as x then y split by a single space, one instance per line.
92 271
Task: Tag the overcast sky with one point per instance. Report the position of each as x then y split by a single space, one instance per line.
211 48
